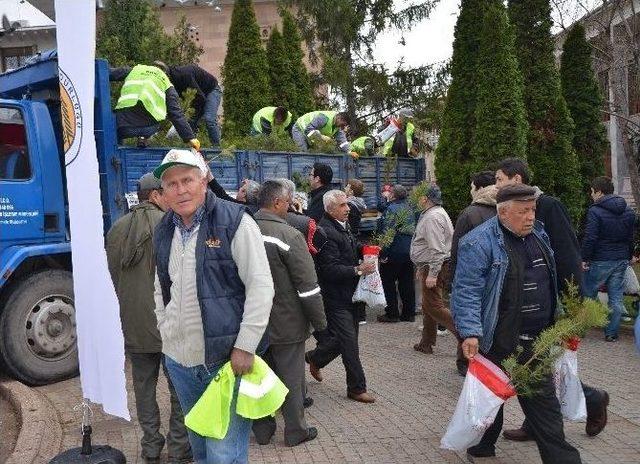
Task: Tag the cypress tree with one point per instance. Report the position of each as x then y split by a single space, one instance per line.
278 63
245 72
300 99
552 159
582 94
501 124
453 153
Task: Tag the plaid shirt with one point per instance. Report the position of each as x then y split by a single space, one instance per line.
187 232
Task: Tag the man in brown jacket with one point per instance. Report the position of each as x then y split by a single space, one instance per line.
297 305
132 269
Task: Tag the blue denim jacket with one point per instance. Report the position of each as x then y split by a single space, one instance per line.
480 272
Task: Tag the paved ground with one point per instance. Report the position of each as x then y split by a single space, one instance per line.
9 428
416 396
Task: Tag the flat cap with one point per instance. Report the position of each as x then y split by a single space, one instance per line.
149 182
516 192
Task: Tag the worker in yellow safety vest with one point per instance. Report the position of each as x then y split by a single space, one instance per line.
271 119
146 99
402 143
321 125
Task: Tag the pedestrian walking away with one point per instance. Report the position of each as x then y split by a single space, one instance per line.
297 307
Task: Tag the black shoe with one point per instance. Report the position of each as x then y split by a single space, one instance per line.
312 433
611 338
142 143
385 318
307 402
411 318
265 438
480 451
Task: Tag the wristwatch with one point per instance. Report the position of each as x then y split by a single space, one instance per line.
358 271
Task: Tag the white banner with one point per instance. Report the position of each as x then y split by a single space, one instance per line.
100 339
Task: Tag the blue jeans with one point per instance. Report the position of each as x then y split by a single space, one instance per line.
210 115
610 273
190 383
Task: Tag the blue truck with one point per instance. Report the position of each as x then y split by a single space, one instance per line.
37 316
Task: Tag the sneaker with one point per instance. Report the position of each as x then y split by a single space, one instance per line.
627 319
611 338
442 332
362 322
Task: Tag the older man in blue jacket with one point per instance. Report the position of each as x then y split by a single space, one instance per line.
504 295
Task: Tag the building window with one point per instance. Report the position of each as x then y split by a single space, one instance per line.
633 92
14 57
603 80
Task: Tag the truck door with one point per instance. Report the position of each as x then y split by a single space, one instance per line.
21 203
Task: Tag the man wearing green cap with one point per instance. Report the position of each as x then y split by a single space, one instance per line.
213 295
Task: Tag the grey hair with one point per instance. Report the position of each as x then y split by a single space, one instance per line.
252 190
399 192
270 191
504 205
331 197
288 184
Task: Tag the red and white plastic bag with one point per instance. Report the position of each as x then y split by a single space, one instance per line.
486 388
369 289
568 386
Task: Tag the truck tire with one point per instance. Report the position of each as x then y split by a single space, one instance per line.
38 329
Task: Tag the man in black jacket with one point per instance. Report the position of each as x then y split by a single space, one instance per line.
207 99
320 179
338 274
555 218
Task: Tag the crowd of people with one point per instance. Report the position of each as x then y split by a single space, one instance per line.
150 94
197 292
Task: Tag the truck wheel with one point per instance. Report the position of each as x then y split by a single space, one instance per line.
38 329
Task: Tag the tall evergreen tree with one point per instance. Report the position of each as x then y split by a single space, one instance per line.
245 73
553 161
278 63
501 123
130 33
300 99
582 94
453 153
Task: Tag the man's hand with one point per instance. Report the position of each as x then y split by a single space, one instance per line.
470 347
241 361
368 267
585 266
430 281
195 143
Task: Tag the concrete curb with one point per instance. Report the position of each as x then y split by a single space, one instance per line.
40 435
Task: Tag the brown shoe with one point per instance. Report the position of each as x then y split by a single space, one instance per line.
313 369
363 397
517 435
597 417
428 349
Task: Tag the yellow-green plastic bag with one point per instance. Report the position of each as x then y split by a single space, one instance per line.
210 416
261 392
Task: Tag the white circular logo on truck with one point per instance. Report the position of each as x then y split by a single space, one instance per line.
71 119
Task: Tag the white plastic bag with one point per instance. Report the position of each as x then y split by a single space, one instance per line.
486 388
631 284
369 289
568 387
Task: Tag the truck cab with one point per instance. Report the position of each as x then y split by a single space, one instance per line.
37 315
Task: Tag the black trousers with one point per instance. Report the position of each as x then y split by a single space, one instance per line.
341 339
544 421
592 397
402 273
